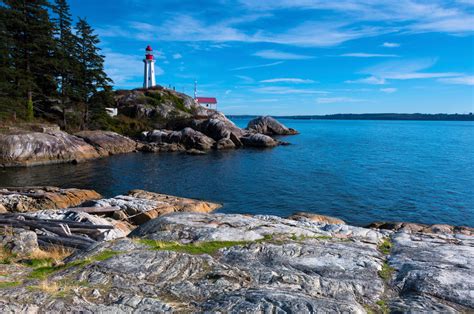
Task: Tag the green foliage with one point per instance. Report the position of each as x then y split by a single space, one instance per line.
29 110
294 237
210 247
44 271
383 306
386 272
39 262
120 124
385 246
9 284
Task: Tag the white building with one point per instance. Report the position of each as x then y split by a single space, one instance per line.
149 73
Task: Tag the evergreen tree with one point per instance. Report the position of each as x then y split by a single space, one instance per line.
90 77
64 54
31 55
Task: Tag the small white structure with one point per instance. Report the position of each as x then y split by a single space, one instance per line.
111 111
149 75
208 102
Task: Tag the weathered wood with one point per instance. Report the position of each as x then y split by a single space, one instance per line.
74 243
71 224
32 195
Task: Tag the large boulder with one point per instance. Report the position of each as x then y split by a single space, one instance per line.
269 126
258 140
25 148
187 137
108 143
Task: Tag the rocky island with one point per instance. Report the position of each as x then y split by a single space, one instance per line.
159 253
175 122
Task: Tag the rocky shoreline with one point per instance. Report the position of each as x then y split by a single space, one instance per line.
180 125
180 257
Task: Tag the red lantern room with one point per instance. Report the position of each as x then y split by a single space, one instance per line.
149 54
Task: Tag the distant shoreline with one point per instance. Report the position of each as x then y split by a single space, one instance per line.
376 116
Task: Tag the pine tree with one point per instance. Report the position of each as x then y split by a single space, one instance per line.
90 77
30 30
64 54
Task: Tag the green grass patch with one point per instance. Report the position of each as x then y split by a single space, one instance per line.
385 247
386 272
210 247
44 271
104 255
38 262
294 237
383 306
9 284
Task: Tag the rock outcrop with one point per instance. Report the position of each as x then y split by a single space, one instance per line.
317 218
28 199
140 206
108 143
269 126
195 262
26 148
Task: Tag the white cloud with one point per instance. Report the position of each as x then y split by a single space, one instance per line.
390 45
368 80
245 79
279 90
388 90
280 55
257 66
460 80
177 56
332 100
367 55
401 70
287 80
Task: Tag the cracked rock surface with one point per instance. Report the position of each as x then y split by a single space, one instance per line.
263 264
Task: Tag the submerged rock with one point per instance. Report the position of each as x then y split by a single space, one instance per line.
269 126
26 148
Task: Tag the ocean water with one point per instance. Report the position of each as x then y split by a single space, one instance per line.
360 171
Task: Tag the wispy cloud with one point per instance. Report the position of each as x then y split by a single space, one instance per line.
388 90
177 56
368 80
245 79
287 80
390 45
367 55
257 66
279 90
332 100
402 70
460 80
280 55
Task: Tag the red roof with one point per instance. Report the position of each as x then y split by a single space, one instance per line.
148 48
206 100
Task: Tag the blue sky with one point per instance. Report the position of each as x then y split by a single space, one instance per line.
288 57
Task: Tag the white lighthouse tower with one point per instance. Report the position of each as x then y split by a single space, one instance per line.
149 73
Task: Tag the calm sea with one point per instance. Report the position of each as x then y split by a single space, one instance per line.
360 171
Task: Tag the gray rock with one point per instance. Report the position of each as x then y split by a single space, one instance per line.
20 242
434 272
269 126
187 137
258 140
108 143
24 148
264 264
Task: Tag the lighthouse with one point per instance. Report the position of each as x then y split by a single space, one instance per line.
149 72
